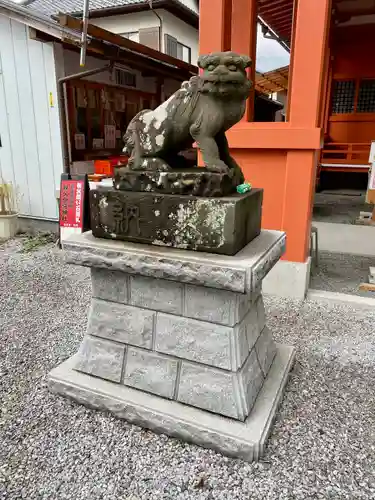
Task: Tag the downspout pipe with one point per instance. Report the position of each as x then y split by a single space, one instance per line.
63 91
85 23
160 23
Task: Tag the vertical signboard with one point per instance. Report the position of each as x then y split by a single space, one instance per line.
370 196
74 192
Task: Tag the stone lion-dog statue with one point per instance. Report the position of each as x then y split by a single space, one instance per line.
201 111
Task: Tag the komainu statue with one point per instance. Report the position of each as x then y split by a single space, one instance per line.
200 111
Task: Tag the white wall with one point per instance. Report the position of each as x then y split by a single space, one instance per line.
191 4
128 22
31 152
182 31
173 26
282 97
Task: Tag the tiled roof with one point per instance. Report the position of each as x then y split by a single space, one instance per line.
53 7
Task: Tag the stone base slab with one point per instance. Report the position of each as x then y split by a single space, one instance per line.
245 440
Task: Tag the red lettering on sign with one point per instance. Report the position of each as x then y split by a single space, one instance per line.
71 203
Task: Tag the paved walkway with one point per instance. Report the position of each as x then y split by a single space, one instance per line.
322 445
346 238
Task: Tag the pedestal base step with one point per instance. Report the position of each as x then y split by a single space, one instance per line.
245 440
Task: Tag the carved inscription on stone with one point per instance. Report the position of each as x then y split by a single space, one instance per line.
123 215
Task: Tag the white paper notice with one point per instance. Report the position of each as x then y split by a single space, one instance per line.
109 136
97 143
80 141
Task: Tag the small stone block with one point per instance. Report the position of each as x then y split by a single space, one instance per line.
371 277
109 285
157 294
218 225
240 346
122 323
151 372
209 389
261 313
251 326
195 340
244 301
251 380
266 349
215 306
101 358
268 260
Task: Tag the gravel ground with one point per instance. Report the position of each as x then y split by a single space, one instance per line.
322 445
343 273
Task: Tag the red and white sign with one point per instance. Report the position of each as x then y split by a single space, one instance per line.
71 207
371 184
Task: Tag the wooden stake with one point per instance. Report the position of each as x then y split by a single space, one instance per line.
367 287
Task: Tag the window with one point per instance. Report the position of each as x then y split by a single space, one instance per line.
343 96
353 96
131 35
125 78
366 97
176 49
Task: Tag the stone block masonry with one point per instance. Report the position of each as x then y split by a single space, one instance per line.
180 327
194 361
195 344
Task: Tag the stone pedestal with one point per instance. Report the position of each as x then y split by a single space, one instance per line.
177 341
219 225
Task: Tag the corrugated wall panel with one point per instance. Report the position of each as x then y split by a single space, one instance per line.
13 114
31 153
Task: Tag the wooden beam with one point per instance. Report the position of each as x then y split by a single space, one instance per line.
367 287
277 10
113 54
280 21
120 41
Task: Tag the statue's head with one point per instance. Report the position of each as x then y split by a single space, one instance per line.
224 74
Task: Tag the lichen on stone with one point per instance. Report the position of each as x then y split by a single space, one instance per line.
200 222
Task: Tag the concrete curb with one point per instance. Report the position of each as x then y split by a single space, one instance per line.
342 298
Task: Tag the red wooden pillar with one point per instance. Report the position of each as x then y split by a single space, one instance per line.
310 46
244 41
214 25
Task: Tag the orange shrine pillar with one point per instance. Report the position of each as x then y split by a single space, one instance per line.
214 30
310 44
279 157
214 25
244 41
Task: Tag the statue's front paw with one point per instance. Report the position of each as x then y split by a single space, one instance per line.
218 166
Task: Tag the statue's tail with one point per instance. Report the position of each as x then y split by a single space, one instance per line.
129 142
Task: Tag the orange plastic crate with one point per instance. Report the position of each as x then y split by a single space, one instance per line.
107 166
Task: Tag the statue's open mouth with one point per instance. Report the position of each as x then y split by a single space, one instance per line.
224 81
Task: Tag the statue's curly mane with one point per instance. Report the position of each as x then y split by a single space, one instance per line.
186 98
